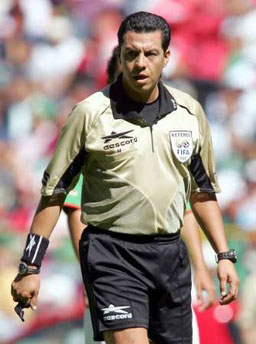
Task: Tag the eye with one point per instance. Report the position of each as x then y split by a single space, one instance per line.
151 53
131 54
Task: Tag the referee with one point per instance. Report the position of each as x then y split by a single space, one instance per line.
144 149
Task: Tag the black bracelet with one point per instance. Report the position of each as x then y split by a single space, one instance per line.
35 249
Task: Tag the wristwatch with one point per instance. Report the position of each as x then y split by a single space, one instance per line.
24 269
230 255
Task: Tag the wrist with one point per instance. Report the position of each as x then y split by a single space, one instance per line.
200 269
28 269
227 255
32 266
198 266
35 249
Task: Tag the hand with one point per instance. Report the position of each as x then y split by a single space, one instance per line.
25 289
227 275
203 282
85 298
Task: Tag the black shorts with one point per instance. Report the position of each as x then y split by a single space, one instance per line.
138 281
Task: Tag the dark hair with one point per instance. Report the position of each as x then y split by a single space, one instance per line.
113 69
145 22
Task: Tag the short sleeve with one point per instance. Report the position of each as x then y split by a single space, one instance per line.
64 169
202 167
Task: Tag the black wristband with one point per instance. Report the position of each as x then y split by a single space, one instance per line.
35 249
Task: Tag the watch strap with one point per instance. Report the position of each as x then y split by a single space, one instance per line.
230 255
24 269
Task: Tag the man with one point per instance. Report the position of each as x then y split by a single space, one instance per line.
189 233
141 147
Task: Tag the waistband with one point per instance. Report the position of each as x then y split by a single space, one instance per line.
136 238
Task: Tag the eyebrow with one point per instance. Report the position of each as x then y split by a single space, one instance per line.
147 50
130 49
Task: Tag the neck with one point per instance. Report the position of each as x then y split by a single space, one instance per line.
141 97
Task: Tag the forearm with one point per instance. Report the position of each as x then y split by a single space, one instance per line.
208 215
75 227
25 287
47 215
191 237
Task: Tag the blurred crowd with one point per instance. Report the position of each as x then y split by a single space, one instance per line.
54 53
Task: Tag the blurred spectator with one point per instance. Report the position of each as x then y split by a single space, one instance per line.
247 317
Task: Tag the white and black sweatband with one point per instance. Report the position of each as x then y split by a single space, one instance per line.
35 249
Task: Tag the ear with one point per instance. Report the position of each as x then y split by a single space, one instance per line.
167 54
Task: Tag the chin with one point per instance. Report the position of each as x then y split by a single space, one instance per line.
144 87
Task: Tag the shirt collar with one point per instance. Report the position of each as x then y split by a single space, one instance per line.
124 108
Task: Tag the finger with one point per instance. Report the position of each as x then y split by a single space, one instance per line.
199 295
23 300
14 295
234 288
212 295
205 305
33 303
226 299
223 287
13 291
17 297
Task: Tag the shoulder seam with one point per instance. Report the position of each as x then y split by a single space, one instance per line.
186 108
97 116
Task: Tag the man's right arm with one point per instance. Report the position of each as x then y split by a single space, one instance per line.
47 215
59 178
25 288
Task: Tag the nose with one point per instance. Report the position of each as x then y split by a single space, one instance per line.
140 61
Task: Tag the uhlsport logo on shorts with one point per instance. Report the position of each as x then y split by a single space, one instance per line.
116 313
182 144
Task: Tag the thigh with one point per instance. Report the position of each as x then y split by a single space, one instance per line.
127 336
118 297
170 306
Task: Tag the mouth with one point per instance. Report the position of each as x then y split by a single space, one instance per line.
140 77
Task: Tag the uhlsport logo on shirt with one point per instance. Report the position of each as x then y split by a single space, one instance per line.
119 140
182 144
116 313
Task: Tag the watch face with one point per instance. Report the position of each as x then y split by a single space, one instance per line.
23 268
234 255
231 255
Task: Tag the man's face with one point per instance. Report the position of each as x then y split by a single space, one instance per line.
142 59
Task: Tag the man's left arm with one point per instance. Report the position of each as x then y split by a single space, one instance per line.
207 212
203 282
